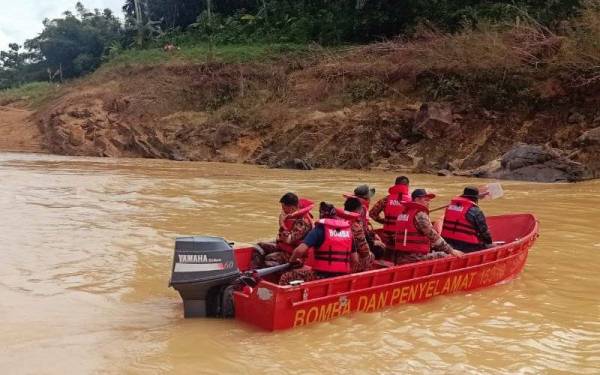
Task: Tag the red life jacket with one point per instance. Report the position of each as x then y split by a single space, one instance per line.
305 206
393 207
347 215
456 226
334 253
407 237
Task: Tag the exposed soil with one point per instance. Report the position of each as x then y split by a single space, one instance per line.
360 111
19 131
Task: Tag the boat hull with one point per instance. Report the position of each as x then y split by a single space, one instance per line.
275 307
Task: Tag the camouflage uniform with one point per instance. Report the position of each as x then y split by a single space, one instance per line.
439 247
377 209
361 246
305 273
273 255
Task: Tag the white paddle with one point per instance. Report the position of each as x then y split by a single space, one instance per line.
491 191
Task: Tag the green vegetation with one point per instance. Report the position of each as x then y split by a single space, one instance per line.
463 45
199 53
34 93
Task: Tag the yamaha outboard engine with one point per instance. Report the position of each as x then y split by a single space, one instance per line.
203 268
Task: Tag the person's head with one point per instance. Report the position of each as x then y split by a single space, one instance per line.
421 196
364 192
289 203
472 193
352 205
402 180
326 211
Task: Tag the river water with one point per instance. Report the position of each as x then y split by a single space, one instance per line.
85 255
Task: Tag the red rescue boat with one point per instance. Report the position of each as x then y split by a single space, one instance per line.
274 307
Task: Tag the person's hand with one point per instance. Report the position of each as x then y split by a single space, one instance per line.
379 243
457 253
296 263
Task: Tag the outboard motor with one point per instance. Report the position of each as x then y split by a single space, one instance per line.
203 270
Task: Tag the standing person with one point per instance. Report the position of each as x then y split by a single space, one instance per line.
295 221
391 206
465 227
415 237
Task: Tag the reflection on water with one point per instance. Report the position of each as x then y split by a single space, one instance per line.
85 256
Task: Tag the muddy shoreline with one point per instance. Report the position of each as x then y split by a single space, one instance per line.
290 116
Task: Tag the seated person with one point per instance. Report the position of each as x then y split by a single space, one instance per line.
391 206
415 238
465 227
364 194
295 221
339 229
361 244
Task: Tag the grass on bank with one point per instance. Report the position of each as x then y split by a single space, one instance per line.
231 53
32 94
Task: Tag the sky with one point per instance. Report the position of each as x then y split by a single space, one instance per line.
22 19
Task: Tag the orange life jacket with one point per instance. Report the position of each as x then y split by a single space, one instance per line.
456 226
407 237
347 215
334 253
393 207
305 206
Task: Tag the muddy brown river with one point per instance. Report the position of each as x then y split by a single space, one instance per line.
85 255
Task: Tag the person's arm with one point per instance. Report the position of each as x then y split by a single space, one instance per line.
313 239
477 218
282 217
424 226
299 230
375 212
360 240
299 253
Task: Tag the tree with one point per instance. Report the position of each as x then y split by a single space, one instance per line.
18 67
76 43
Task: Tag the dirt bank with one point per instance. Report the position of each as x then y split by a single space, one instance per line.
19 131
371 107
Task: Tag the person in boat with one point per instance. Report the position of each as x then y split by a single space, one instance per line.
339 229
361 246
415 238
391 205
364 193
295 221
465 227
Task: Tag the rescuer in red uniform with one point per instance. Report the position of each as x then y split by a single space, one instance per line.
465 227
295 221
391 205
415 239
334 253
364 194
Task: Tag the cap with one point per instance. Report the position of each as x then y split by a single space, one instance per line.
364 192
471 192
419 193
